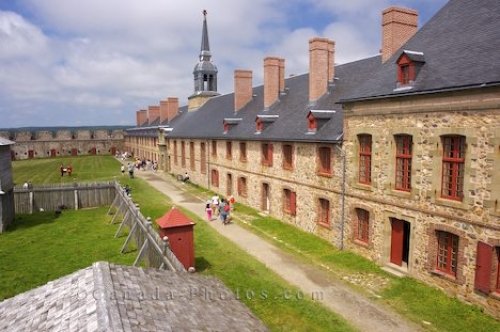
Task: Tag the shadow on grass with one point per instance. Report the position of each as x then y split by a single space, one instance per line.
202 264
25 221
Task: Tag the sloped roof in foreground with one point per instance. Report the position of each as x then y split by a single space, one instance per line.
108 297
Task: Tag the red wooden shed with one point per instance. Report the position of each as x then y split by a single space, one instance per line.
179 230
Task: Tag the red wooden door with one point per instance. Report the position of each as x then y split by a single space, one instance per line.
31 154
74 152
113 150
397 234
484 256
53 152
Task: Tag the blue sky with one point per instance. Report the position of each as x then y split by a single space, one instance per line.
95 62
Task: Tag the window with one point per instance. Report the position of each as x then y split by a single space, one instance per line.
403 162
324 160
452 184
203 159
215 178
365 158
267 154
259 126
191 155
183 154
243 151
363 227
447 252
312 124
175 152
242 186
289 202
288 156
324 212
229 150
214 149
405 74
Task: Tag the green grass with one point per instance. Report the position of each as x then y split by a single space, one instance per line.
39 247
85 169
413 299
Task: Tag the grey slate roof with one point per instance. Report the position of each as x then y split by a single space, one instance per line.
108 297
292 108
461 46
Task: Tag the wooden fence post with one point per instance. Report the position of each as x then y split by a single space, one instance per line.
31 202
76 199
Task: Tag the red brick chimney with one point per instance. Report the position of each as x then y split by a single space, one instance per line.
271 80
142 117
398 26
173 107
163 111
242 88
153 113
282 75
321 66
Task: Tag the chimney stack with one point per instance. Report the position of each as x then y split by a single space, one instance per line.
142 117
242 88
282 75
163 111
321 66
153 113
271 81
172 108
398 26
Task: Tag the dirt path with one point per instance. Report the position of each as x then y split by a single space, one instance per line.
315 283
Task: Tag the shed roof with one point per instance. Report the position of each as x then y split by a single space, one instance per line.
108 297
174 218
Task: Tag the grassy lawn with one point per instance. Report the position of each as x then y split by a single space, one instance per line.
39 247
85 169
51 248
408 296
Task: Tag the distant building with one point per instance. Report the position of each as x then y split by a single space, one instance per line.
6 185
40 142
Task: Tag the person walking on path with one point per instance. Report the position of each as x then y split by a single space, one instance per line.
208 210
131 170
215 205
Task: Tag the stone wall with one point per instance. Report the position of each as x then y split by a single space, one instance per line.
475 218
64 142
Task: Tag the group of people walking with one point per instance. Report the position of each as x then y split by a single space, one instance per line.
220 207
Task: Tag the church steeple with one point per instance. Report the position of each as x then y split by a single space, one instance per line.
205 72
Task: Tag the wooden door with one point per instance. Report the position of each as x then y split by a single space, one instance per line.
484 256
74 152
397 237
31 154
53 152
265 197
229 185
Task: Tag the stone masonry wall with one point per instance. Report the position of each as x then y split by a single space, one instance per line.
475 115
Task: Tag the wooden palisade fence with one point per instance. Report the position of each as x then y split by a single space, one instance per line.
54 197
153 250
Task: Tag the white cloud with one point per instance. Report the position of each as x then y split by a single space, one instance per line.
96 62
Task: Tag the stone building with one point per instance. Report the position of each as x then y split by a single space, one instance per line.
6 185
396 156
64 141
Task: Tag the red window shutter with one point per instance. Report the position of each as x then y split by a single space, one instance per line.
484 256
293 203
270 155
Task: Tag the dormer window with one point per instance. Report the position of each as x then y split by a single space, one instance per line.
262 121
228 123
409 64
317 118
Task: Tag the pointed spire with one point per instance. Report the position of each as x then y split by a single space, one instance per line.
205 46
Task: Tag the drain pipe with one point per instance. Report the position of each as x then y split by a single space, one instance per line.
342 206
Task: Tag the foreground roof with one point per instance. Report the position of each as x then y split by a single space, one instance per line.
108 297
